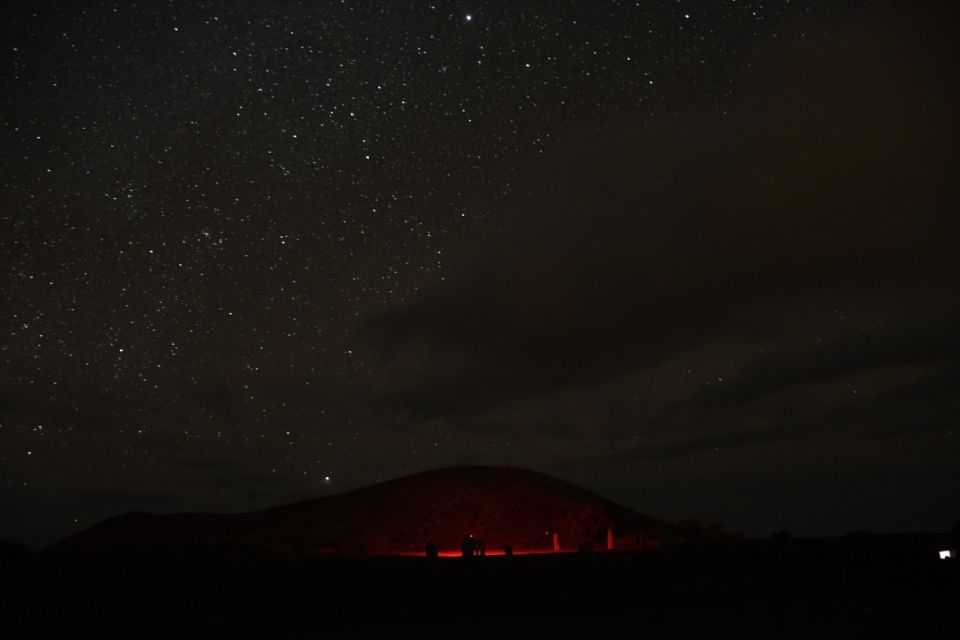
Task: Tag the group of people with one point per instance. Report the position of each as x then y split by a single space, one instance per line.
469 548
473 546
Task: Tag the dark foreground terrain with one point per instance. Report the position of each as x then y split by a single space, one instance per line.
847 587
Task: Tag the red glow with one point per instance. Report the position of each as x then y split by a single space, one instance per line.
455 553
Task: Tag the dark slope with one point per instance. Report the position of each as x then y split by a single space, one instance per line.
499 504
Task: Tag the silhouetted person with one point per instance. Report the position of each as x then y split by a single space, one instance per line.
507 549
466 548
479 547
432 550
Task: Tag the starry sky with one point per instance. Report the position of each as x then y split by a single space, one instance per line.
697 256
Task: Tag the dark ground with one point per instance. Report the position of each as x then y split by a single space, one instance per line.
847 587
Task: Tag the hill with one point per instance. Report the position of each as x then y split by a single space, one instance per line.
498 504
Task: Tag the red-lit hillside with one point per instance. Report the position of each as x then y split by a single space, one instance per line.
498 504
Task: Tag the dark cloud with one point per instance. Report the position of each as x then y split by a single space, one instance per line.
835 174
926 404
917 405
934 341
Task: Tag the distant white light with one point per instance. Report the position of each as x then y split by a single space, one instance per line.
468 17
326 478
946 554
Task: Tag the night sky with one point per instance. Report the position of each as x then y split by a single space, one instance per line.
701 257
